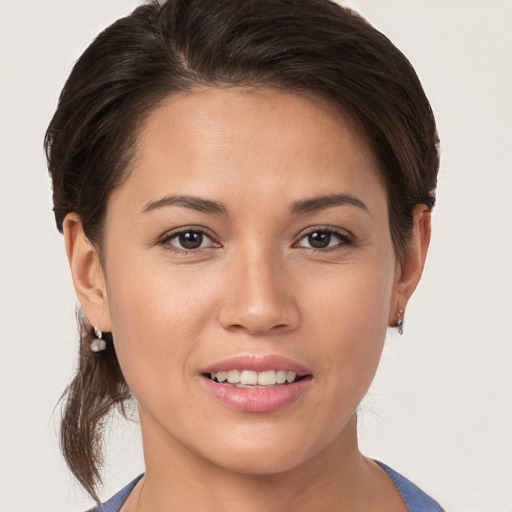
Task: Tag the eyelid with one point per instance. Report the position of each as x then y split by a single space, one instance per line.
169 235
347 237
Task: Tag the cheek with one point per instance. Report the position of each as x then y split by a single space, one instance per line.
156 318
349 319
354 299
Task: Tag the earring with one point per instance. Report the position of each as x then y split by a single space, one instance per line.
98 344
400 323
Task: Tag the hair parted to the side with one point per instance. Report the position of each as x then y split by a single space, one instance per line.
168 48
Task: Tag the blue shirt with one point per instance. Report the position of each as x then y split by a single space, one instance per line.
415 499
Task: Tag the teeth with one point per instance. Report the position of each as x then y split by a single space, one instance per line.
267 378
247 377
281 376
221 376
233 377
251 378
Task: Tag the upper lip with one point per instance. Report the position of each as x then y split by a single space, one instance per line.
257 364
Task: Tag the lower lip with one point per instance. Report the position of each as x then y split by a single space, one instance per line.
257 399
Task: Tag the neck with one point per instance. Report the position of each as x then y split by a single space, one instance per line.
337 478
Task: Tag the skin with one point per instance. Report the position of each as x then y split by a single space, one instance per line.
255 287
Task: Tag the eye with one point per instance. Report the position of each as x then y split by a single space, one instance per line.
188 240
326 238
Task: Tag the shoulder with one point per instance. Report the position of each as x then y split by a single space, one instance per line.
115 503
415 499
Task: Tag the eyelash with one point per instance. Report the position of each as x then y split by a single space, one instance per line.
345 239
166 239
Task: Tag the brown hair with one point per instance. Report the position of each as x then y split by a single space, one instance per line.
130 68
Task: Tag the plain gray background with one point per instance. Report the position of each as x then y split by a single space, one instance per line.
440 410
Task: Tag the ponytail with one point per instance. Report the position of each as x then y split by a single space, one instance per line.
97 387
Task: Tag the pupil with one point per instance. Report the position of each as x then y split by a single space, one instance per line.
319 239
191 240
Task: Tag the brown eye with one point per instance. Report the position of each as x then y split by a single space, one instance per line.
188 240
324 239
319 239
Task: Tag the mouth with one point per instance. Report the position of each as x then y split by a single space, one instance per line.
254 379
259 384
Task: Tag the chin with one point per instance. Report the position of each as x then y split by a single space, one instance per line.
262 454
260 463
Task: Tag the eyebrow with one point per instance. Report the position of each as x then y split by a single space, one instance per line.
192 202
327 201
209 206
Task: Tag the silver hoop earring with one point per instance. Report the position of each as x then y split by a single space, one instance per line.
98 344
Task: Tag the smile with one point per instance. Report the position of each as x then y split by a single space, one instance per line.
249 378
257 384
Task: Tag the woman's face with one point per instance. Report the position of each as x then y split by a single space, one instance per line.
252 236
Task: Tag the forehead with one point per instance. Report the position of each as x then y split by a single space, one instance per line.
236 112
214 140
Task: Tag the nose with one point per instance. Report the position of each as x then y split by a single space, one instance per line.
259 298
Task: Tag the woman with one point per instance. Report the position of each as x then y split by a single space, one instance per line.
245 192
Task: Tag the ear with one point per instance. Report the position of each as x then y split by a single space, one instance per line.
408 273
87 273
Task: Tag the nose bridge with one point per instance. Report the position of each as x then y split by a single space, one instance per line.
259 297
